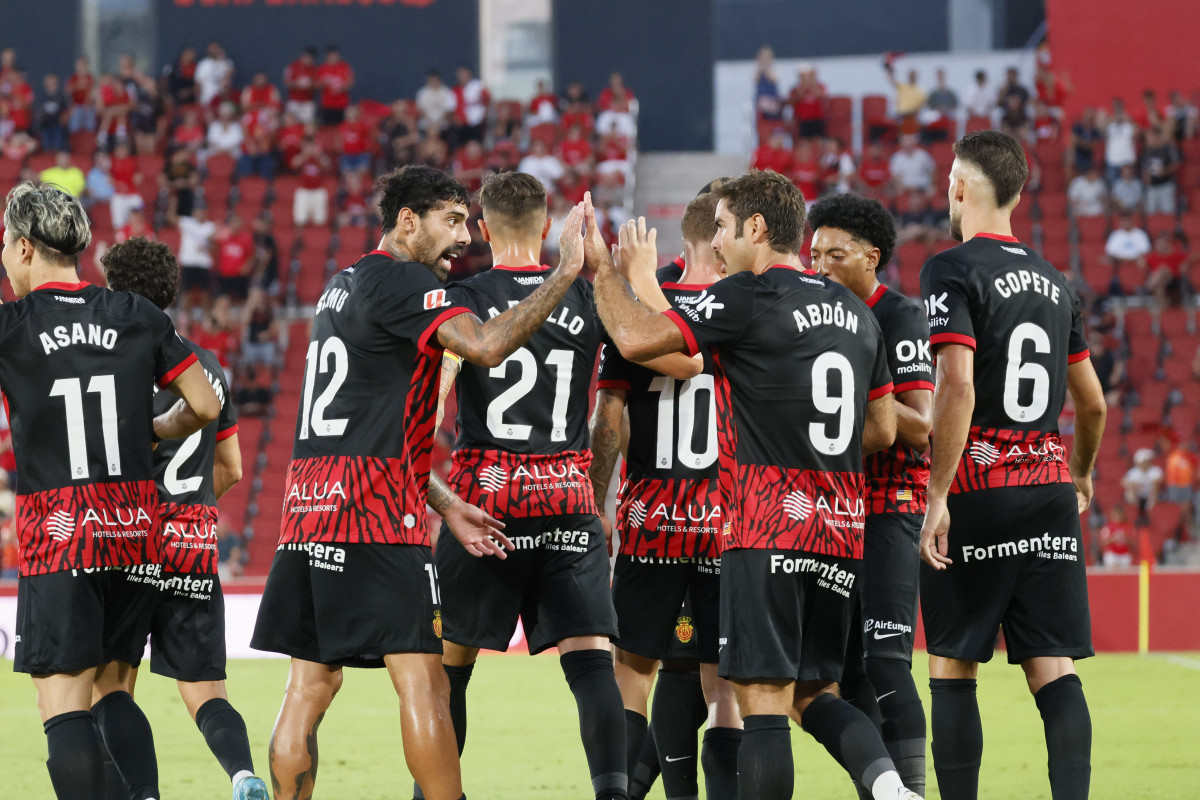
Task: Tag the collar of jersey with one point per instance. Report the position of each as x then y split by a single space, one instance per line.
530 268
58 286
999 237
801 270
875 295
379 253
686 287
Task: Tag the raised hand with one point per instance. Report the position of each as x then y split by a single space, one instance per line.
570 242
637 249
594 248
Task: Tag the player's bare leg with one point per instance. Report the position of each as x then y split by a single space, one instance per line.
1058 693
955 727
124 729
429 746
293 751
76 761
458 662
635 679
723 739
588 666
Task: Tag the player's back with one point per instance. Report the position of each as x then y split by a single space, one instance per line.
522 447
1024 321
361 456
77 363
183 473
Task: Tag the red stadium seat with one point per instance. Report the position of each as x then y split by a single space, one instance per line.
1053 204
547 133
1092 229
1156 223
1058 254
220 166
978 124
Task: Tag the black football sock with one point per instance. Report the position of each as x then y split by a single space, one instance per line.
848 736
957 737
765 758
114 783
643 774
719 759
459 678
130 741
856 689
635 735
676 716
74 758
1068 737
225 733
589 673
903 718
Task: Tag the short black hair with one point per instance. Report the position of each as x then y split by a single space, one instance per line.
417 188
512 197
311 50
774 197
1001 160
143 267
866 220
712 186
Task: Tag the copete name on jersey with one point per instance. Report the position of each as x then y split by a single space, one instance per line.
1022 280
77 333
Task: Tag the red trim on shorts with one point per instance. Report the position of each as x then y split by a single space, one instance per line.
225 434
689 338
423 341
165 380
909 386
879 392
1075 358
874 298
952 338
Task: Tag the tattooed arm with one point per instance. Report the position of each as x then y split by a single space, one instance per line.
606 444
489 343
480 534
451 364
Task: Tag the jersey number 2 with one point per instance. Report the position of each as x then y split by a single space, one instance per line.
70 390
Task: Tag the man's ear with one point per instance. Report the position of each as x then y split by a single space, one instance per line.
546 227
484 232
755 229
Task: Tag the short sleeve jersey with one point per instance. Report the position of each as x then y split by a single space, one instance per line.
898 476
77 363
669 504
183 472
1024 322
364 432
796 360
522 448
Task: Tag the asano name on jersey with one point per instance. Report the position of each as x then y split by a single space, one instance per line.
797 358
522 448
183 473
669 503
898 476
1025 324
364 432
77 363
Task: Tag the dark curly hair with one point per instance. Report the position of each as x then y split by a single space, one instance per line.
774 197
866 220
143 267
419 189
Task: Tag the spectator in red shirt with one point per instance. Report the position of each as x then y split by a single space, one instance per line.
354 204
136 226
291 140
335 79
874 174
805 169
575 150
1166 269
20 102
300 78
310 204
1050 90
126 177
810 104
235 258
259 129
544 105
214 335
1045 123
774 155
577 108
1115 550
190 132
354 141
79 88
471 103
617 107
504 157
469 165
260 94
112 109
1149 115
572 186
8 66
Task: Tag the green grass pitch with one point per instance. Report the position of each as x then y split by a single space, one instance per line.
523 740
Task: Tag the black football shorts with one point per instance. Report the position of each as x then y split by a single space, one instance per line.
1018 562
77 619
889 592
785 614
556 582
349 605
187 631
647 593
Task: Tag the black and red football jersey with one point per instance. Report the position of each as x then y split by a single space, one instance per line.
364 432
669 503
1024 322
522 448
77 363
898 476
796 358
183 472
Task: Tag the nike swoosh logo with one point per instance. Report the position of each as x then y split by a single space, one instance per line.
681 758
888 635
889 694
